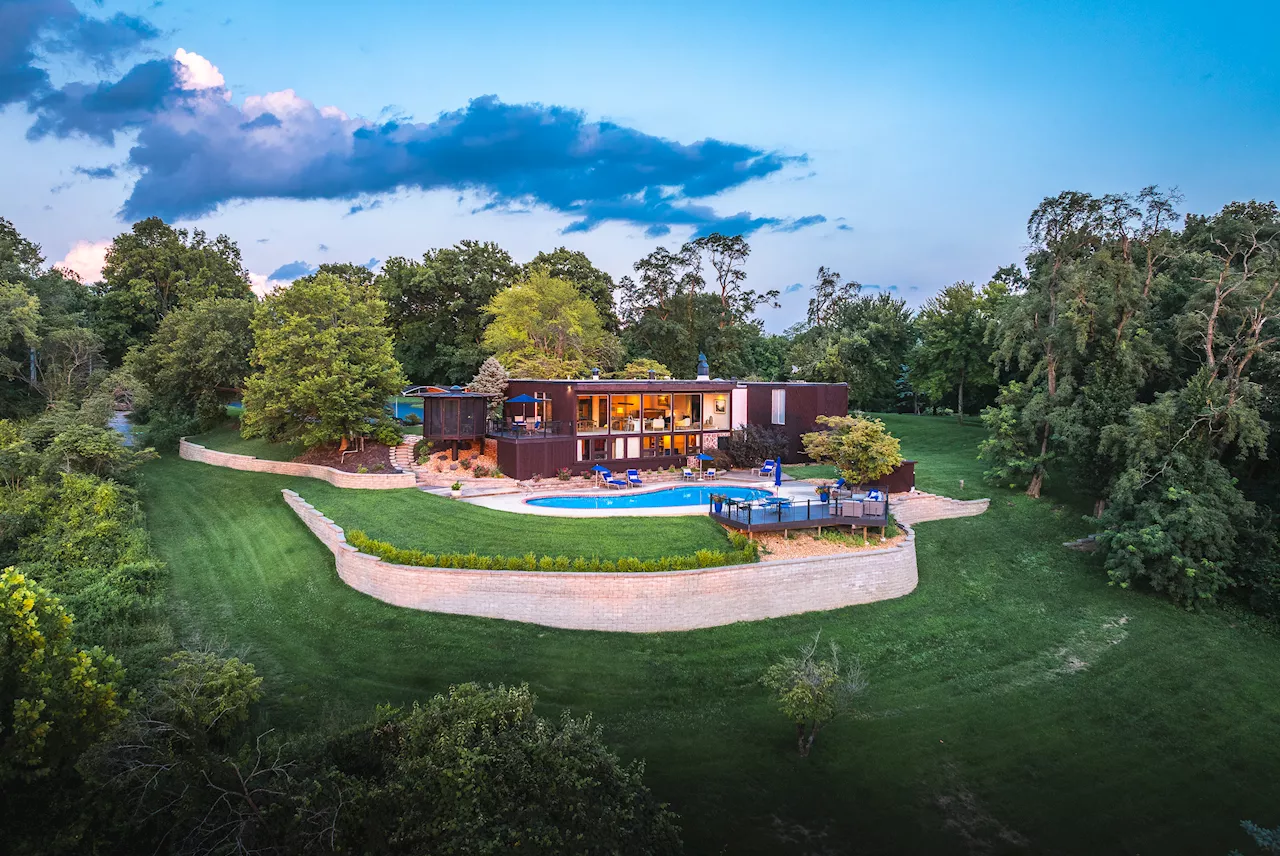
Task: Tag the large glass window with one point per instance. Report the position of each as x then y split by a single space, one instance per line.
657 413
593 414
687 412
779 407
716 415
624 414
657 447
688 444
594 449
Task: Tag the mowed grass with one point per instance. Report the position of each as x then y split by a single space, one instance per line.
228 439
1017 704
416 520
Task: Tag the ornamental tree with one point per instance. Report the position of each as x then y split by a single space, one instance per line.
861 449
325 366
55 699
491 380
811 692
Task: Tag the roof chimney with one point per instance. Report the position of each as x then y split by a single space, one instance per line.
595 373
653 375
704 372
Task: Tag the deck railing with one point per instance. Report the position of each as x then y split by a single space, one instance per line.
529 429
802 513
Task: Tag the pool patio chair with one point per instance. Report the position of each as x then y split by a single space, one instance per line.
610 481
766 469
686 474
633 477
710 473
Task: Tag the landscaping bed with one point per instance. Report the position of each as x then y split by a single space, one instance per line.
373 458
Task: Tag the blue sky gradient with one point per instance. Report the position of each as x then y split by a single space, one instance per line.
901 143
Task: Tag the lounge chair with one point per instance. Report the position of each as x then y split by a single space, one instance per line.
766 469
610 481
633 477
839 485
710 473
686 473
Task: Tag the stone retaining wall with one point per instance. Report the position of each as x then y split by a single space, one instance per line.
632 603
375 481
920 508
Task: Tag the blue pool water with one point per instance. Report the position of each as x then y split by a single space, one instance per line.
665 498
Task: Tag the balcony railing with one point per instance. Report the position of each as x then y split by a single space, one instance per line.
528 429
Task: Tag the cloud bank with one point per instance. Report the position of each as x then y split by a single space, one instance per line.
196 151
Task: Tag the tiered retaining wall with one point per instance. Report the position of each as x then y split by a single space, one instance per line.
922 507
375 481
627 602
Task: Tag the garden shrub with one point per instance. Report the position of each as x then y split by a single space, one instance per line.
745 551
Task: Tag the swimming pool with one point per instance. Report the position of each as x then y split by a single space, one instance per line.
666 498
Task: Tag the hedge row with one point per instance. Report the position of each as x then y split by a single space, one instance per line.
746 551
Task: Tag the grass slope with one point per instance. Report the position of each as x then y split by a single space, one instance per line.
228 439
1017 703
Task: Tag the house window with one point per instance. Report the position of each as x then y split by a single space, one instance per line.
779 407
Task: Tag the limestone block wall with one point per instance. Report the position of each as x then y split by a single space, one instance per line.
632 603
376 481
922 507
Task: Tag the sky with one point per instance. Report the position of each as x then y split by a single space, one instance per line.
902 144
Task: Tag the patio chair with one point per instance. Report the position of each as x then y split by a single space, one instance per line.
687 473
610 481
873 509
710 473
633 477
766 469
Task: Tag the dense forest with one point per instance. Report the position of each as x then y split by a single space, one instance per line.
1129 360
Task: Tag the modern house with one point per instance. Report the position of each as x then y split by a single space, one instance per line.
549 425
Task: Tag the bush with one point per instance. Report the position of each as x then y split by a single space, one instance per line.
413 419
751 446
481 471
422 451
466 463
563 474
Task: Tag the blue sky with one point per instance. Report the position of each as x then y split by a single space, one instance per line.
900 143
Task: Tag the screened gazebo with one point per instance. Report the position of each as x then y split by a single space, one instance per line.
453 416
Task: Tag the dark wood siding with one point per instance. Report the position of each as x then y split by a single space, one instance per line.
805 403
522 459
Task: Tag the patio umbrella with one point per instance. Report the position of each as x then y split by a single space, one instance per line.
777 477
522 399
599 468
703 456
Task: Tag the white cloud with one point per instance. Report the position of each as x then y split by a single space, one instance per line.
198 72
86 260
261 285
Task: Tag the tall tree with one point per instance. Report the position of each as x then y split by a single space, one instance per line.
154 268
545 324
953 351
574 266
436 308
325 365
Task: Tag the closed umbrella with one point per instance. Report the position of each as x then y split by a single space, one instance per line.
777 476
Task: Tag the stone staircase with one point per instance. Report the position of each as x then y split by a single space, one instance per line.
919 507
402 457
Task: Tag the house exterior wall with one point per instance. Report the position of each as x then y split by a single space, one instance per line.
805 403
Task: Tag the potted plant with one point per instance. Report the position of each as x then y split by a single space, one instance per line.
455 490
717 502
823 491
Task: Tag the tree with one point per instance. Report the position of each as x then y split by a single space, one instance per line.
544 324
575 267
727 254
436 307
55 698
325 365
492 380
477 771
197 360
861 449
640 369
813 693
953 351
153 269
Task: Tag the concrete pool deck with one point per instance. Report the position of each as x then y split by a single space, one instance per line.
518 504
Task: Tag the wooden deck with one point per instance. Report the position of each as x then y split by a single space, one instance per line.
800 514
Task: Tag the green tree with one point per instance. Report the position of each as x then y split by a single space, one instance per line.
543 324
436 308
197 361
477 771
862 449
953 353
813 692
639 370
55 698
491 379
575 267
325 365
153 269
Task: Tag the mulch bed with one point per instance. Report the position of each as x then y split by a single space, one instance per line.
376 458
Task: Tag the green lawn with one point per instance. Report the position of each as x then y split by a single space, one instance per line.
1017 703
228 439
811 471
416 520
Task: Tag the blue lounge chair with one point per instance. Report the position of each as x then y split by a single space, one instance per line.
766 469
610 481
710 473
633 477
839 485
687 474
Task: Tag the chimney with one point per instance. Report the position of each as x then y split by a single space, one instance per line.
595 373
653 375
704 372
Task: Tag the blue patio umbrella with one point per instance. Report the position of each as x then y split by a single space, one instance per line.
599 468
777 477
522 399
703 456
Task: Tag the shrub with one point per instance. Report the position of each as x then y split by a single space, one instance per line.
752 445
456 486
413 419
563 474
466 463
497 472
536 477
481 471
422 451
362 469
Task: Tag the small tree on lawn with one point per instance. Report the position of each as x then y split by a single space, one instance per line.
812 692
861 449
492 380
325 366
